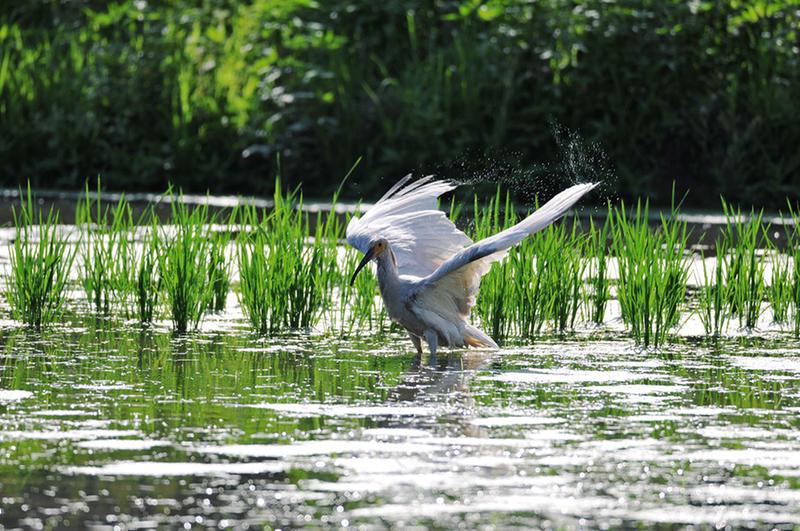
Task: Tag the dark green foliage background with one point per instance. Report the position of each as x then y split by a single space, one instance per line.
206 94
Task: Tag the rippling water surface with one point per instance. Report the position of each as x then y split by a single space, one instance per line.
108 426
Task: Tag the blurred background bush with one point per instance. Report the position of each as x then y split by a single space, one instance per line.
209 94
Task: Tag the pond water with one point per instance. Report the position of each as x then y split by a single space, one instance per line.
104 426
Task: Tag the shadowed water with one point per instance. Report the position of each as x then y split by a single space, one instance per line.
105 425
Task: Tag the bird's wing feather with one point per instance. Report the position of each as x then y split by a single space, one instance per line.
420 235
478 257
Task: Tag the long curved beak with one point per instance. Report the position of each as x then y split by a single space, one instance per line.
364 261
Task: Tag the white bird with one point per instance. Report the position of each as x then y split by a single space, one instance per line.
429 272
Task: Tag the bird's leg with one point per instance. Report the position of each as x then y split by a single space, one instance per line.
417 342
433 340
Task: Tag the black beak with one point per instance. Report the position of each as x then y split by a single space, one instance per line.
364 261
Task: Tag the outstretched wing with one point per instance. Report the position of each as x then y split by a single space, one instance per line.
420 235
452 288
494 247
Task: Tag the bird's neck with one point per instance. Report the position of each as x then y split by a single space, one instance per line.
387 268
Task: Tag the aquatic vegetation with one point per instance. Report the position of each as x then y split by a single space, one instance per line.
41 259
713 306
218 273
567 276
540 282
219 267
793 256
493 305
653 274
282 275
795 288
147 282
294 274
525 309
597 290
745 264
356 306
255 291
184 265
106 252
779 291
557 276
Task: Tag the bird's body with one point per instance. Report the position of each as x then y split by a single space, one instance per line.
428 271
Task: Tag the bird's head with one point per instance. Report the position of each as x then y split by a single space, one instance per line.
376 249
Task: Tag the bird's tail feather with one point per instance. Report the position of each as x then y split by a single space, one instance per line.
473 337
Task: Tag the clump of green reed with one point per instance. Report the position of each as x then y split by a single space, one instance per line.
779 291
559 268
597 291
713 296
350 307
219 267
780 288
256 293
540 282
41 260
793 255
104 249
652 272
184 264
355 307
219 278
146 281
493 301
321 270
795 293
524 289
745 264
114 267
283 277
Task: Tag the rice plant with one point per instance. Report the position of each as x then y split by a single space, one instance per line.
255 286
41 260
560 267
526 304
795 290
147 275
493 302
713 306
539 283
355 307
779 291
653 271
348 306
793 252
597 291
184 266
219 267
104 249
218 272
282 276
745 264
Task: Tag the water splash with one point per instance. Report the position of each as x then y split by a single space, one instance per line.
576 161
